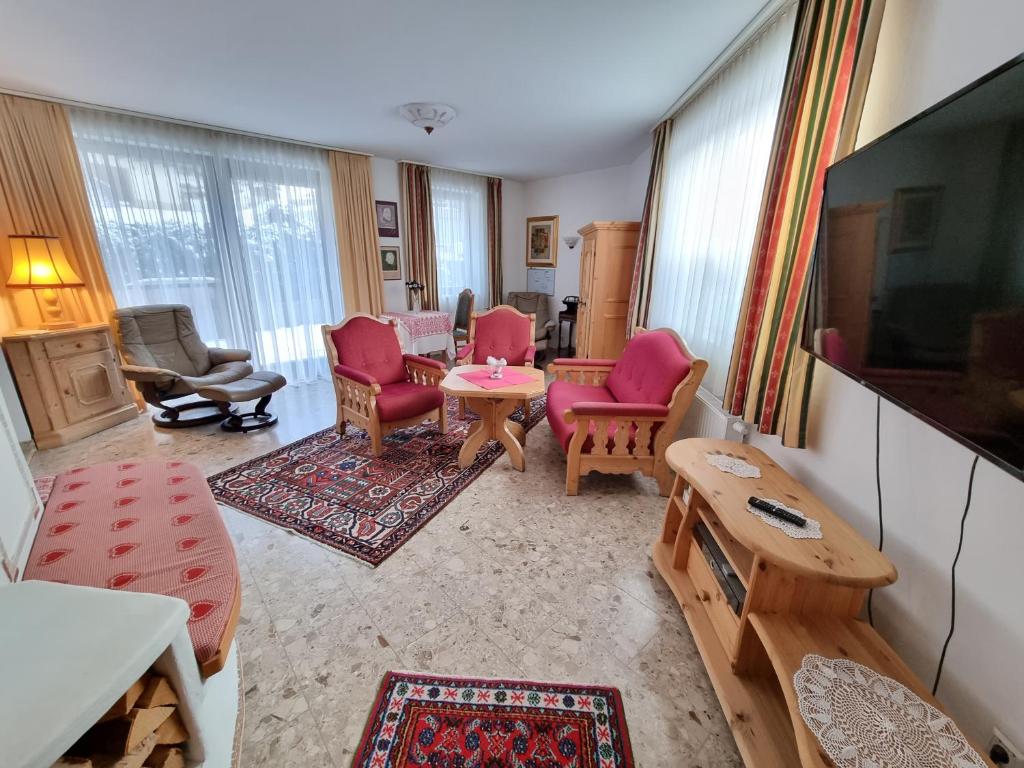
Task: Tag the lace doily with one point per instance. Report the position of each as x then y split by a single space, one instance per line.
865 720
810 531
733 465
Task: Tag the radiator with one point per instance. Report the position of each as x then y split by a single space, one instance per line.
707 419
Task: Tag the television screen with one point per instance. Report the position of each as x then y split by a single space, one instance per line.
917 284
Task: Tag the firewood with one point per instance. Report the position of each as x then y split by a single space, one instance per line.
124 704
165 756
172 730
121 736
134 759
72 762
158 693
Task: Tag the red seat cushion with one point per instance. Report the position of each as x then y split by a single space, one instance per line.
404 399
372 347
651 367
561 397
144 526
502 333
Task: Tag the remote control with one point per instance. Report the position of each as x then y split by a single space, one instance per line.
776 511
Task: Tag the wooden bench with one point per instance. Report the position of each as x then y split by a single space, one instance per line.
145 526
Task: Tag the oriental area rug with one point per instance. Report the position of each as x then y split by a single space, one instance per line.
422 720
333 490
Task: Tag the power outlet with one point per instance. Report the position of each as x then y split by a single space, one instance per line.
1016 757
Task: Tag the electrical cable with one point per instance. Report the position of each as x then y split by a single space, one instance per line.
956 559
878 489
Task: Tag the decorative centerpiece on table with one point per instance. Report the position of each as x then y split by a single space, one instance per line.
497 365
415 289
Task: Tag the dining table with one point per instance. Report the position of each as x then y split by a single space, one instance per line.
424 331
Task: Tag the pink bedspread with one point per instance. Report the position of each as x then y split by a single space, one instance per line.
144 526
424 323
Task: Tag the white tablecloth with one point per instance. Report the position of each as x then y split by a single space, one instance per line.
412 333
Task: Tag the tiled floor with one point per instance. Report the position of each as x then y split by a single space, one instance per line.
512 579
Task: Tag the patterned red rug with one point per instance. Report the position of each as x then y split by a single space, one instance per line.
421 720
332 489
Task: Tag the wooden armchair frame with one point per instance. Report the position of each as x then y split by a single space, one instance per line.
467 359
623 452
357 400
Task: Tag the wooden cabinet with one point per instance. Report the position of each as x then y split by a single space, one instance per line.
607 257
70 382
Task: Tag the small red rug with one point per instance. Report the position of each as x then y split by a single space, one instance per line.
333 490
451 722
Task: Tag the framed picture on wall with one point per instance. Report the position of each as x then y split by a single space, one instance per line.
542 241
391 262
387 218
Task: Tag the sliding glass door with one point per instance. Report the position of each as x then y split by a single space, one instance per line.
239 229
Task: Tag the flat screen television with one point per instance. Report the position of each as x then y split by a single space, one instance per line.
917 282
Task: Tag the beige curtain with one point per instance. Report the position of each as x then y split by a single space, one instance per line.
42 192
640 292
494 239
362 281
418 230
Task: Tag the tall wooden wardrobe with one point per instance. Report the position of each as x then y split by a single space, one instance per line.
606 274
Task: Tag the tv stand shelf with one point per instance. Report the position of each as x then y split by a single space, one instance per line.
802 596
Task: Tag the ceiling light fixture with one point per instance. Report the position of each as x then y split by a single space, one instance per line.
427 116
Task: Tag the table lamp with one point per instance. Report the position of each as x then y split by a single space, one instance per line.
38 261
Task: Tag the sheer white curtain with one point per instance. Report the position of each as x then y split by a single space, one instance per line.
715 170
460 236
239 229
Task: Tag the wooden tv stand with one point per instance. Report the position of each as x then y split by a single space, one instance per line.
801 596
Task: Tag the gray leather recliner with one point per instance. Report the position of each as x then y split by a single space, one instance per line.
163 354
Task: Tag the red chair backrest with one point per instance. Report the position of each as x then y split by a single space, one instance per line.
372 347
502 333
651 367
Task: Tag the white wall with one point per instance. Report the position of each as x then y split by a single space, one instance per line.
386 186
927 50
615 193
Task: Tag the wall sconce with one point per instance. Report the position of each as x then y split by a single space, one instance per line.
571 240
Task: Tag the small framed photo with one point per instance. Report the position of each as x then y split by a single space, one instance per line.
387 218
915 213
542 241
391 262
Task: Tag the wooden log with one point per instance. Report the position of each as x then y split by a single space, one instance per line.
72 762
134 759
157 693
165 756
124 704
172 731
123 735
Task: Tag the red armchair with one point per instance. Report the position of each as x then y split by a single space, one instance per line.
501 331
636 404
377 386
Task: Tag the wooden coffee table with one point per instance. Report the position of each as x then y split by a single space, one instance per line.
494 406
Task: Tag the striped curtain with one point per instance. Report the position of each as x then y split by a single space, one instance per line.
494 239
418 232
770 376
640 292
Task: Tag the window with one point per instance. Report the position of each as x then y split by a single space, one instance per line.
460 236
715 168
241 230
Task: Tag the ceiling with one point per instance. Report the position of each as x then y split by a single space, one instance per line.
542 88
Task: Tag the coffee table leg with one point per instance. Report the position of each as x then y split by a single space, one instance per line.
480 434
510 434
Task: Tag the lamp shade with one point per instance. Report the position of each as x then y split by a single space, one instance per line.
38 261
